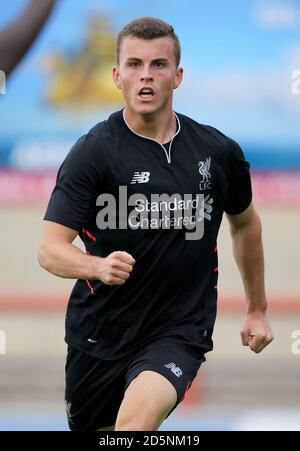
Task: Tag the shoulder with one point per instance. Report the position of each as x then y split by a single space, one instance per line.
90 145
107 129
221 143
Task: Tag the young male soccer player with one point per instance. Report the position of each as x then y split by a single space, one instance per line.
146 190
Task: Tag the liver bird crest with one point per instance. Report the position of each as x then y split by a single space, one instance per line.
204 167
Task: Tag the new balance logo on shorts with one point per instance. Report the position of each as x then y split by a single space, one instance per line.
140 177
175 369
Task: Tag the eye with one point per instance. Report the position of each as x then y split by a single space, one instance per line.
134 64
159 64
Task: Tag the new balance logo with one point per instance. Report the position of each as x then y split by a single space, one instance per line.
140 177
175 369
91 340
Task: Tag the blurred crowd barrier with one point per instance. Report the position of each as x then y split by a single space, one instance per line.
28 188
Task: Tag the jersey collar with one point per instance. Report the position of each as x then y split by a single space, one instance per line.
167 152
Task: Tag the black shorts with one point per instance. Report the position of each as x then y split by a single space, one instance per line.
95 388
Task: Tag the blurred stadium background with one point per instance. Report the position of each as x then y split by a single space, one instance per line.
239 60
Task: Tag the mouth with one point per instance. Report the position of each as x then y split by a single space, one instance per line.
146 94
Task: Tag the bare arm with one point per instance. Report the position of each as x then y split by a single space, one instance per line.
58 255
246 232
17 37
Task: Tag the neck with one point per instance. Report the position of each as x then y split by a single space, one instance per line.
161 127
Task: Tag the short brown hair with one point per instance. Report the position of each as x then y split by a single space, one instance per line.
149 28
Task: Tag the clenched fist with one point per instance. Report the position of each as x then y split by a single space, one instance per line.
115 269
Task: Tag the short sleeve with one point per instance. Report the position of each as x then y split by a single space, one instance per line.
78 183
239 194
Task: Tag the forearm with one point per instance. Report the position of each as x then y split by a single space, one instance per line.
17 37
68 261
248 252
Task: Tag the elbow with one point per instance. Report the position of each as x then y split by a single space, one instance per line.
256 227
43 257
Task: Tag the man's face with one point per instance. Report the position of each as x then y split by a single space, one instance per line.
147 74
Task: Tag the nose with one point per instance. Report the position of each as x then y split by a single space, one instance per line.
146 74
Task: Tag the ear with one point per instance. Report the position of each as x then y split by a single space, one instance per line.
178 77
116 77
